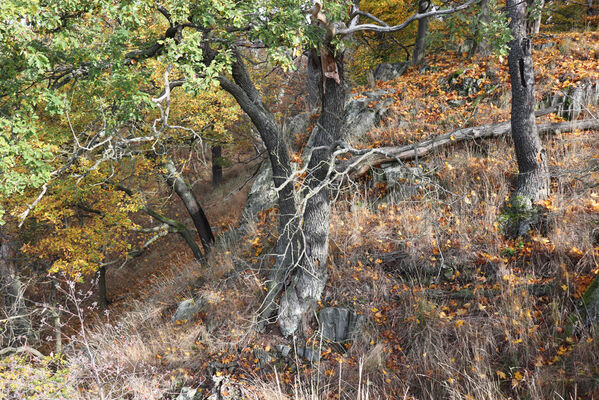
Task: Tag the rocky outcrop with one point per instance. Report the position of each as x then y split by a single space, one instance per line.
297 125
571 103
364 111
339 324
389 71
403 182
262 194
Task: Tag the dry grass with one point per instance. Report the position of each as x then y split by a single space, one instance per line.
452 308
449 303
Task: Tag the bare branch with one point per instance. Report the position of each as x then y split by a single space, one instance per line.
415 17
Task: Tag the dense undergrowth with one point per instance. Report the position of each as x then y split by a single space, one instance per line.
452 308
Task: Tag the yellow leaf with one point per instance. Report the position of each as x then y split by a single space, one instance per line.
501 374
518 376
459 323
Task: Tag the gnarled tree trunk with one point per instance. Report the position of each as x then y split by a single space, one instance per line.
308 281
533 177
289 245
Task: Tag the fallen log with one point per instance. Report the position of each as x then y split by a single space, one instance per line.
365 159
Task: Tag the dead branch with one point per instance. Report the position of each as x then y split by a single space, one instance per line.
368 158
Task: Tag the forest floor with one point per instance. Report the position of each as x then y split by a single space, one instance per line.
451 307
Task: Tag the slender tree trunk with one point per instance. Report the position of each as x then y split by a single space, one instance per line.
481 43
174 179
418 54
217 167
181 229
56 314
308 281
102 299
533 177
13 291
535 22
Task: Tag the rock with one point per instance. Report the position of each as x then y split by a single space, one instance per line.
188 393
338 324
264 358
404 182
590 301
365 111
309 354
187 309
262 194
572 102
284 349
225 389
296 125
389 71
544 45
456 102
397 175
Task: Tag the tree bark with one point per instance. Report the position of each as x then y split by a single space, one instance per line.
174 226
174 180
181 229
13 292
533 177
419 46
308 281
314 80
217 168
288 246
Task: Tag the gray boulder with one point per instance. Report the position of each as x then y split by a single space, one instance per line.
397 175
338 324
264 358
365 111
188 393
404 182
308 353
188 309
225 389
262 194
297 124
389 71
284 349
